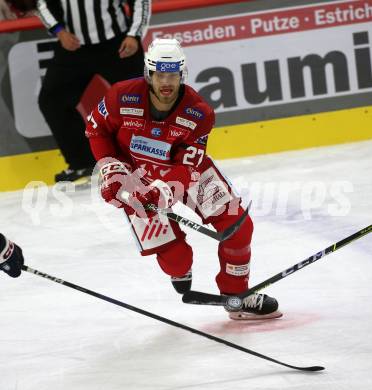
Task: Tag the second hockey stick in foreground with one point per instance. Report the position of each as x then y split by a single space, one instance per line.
236 302
166 320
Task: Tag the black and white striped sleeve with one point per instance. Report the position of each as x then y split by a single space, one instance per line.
140 18
51 14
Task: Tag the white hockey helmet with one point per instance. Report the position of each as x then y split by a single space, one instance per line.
165 55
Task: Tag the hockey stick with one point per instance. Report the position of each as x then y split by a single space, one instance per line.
219 236
236 302
166 320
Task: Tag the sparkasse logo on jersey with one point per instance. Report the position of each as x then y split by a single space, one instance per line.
133 123
194 113
130 99
150 147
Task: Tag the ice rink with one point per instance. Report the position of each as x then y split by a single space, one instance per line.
53 337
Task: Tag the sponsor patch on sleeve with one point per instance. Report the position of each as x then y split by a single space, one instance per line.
202 140
102 108
197 114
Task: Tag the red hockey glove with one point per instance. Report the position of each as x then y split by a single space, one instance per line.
11 257
158 193
116 177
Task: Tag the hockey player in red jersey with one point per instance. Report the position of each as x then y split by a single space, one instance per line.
149 136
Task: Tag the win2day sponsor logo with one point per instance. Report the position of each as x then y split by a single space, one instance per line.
133 123
194 113
156 132
130 99
150 147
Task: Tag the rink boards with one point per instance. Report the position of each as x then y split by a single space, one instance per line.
279 78
225 142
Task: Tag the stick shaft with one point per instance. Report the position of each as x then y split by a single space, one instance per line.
164 320
312 259
236 302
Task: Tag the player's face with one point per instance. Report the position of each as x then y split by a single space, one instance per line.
166 86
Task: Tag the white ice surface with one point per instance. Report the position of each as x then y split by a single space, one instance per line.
54 337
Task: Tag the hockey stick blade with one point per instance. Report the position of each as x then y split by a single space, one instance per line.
236 302
166 320
201 298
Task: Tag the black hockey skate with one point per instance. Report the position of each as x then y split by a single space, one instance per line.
77 176
257 307
182 284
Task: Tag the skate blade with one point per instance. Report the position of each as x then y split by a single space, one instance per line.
241 315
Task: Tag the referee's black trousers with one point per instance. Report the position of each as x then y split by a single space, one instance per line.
66 78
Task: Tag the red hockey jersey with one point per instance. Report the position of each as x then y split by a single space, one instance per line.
122 127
